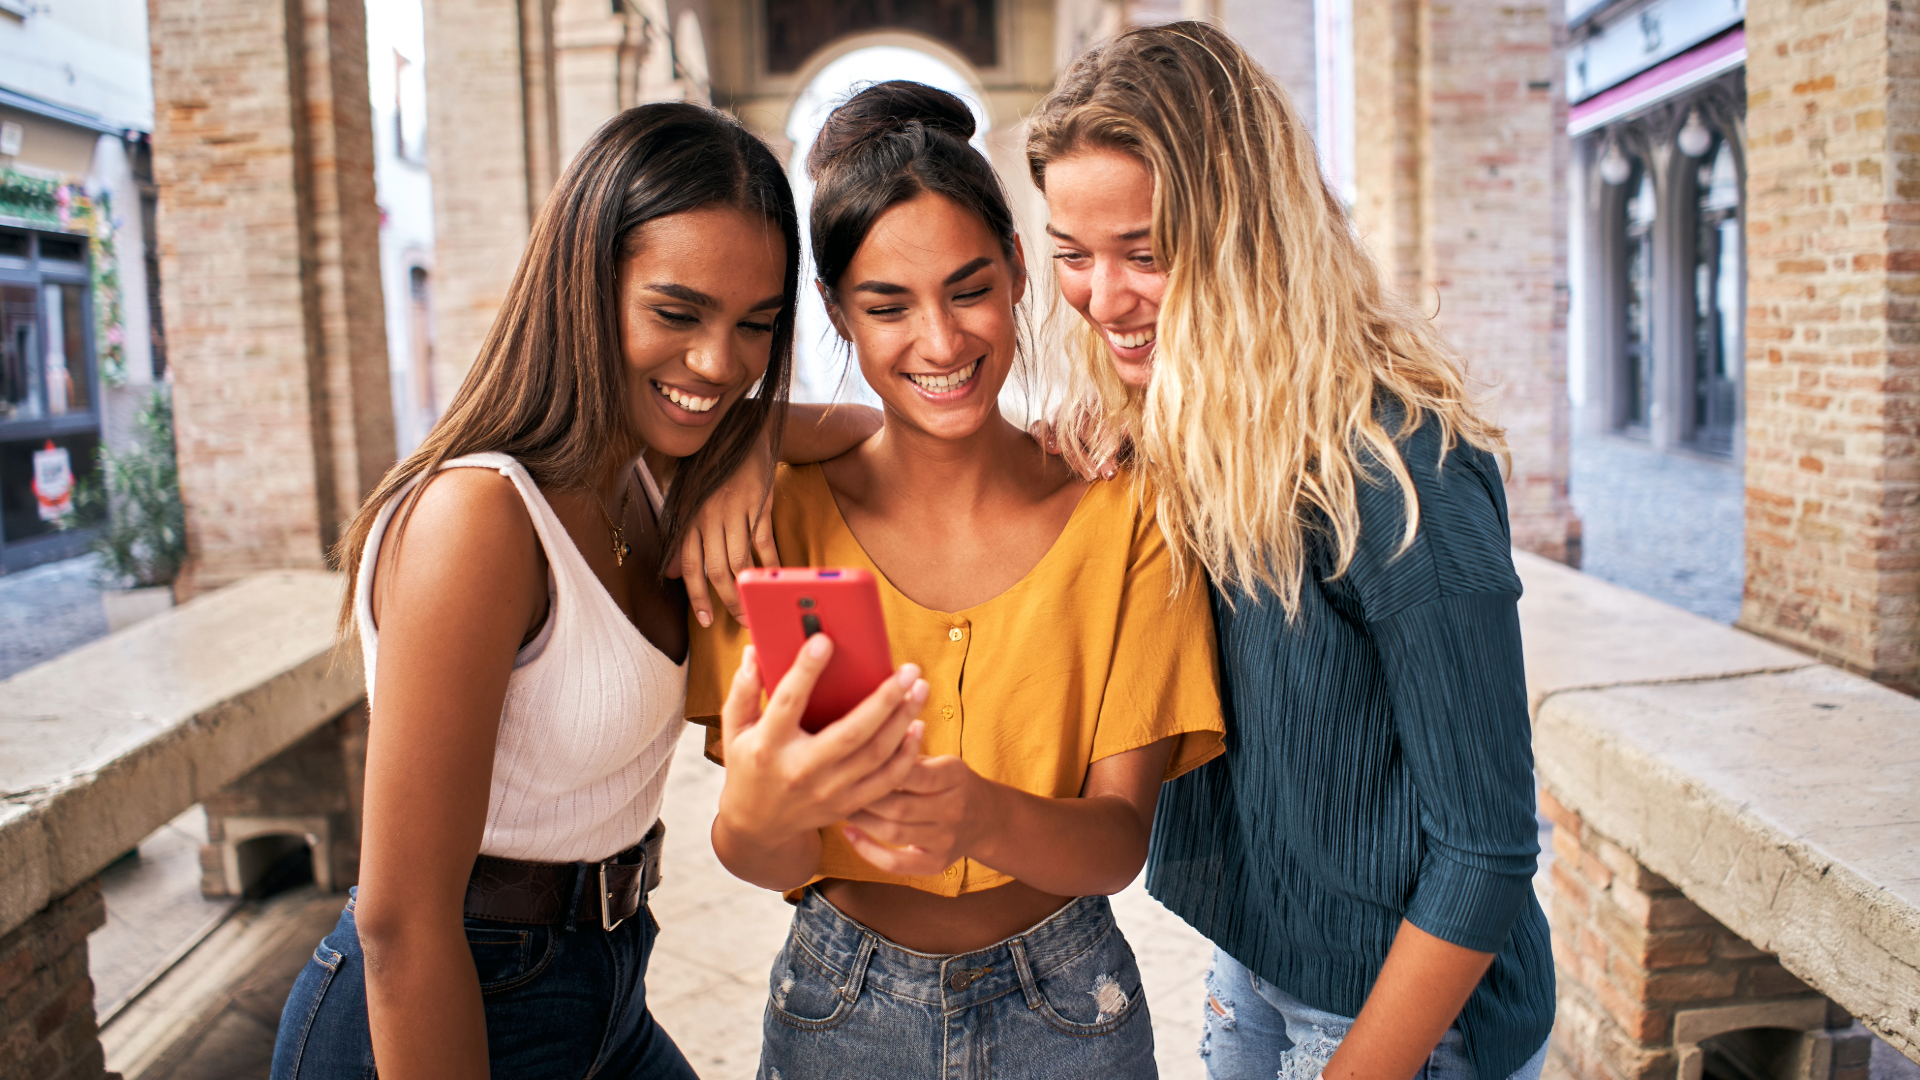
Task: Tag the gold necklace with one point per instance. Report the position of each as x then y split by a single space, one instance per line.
621 549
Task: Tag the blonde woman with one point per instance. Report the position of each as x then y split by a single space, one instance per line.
1362 855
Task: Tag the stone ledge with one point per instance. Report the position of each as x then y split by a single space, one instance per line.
1781 797
1581 632
105 744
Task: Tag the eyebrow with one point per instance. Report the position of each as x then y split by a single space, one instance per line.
700 299
1136 234
888 288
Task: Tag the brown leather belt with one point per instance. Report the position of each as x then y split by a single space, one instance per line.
607 892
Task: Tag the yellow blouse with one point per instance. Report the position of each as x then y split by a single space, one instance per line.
1090 654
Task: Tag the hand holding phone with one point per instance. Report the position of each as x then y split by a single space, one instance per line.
786 606
783 784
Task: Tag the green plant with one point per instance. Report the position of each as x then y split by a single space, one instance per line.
143 532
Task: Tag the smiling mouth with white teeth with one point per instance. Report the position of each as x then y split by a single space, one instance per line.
943 384
1134 340
685 400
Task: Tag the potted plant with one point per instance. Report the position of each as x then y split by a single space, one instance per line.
142 538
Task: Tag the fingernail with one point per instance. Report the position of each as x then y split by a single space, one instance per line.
908 673
705 619
819 645
916 729
919 691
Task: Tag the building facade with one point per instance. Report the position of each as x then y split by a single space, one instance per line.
80 337
1657 115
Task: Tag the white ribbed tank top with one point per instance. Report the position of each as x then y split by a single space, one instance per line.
593 709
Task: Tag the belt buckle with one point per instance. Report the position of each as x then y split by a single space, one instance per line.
607 921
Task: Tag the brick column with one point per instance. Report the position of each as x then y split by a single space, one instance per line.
1461 154
493 148
1833 349
1644 976
47 1029
269 246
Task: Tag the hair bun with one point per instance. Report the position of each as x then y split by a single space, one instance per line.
888 108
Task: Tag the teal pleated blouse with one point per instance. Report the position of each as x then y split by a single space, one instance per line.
1379 766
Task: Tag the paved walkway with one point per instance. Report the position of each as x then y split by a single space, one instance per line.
1671 526
46 611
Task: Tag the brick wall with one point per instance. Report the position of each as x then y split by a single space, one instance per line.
1833 353
47 1029
479 156
1389 141
268 244
348 308
1461 153
1631 953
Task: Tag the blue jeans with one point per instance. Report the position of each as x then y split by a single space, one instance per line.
1060 1001
560 1003
1257 1031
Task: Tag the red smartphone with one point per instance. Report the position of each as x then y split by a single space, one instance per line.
786 606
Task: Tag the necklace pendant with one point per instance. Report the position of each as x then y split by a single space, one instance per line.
621 549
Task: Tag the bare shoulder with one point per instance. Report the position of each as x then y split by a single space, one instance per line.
469 531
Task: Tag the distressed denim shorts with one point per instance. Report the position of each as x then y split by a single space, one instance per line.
1061 1001
1257 1031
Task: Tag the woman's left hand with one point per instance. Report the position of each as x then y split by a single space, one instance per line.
935 818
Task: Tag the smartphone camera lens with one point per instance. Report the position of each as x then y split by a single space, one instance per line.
806 602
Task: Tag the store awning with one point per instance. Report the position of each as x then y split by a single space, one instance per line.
1656 84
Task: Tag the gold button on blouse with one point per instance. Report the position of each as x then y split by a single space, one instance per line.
946 711
953 634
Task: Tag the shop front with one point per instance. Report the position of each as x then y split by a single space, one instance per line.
50 390
1657 118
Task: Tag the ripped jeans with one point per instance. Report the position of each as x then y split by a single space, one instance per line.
1060 1001
1257 1031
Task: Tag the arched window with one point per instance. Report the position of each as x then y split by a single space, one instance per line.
1717 308
1638 212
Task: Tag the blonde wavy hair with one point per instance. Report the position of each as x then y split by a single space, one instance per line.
1277 336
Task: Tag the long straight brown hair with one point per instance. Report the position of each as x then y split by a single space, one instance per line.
549 387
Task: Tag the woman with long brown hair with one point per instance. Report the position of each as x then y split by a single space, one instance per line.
525 658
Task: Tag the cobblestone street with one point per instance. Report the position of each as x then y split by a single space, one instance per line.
1669 525
48 610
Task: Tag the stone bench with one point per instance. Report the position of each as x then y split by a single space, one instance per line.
102 746
1737 840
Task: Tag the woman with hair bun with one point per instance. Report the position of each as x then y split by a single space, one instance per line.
954 919
1363 854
